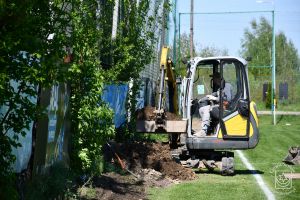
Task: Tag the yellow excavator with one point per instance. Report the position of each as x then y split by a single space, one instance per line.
233 125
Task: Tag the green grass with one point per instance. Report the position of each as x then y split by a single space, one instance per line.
157 137
272 148
213 186
282 106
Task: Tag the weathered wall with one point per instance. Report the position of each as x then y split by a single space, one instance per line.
52 132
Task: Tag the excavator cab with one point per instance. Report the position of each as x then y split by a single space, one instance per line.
233 122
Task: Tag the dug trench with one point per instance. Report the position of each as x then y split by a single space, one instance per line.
152 166
147 164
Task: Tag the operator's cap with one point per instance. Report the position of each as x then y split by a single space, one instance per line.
215 75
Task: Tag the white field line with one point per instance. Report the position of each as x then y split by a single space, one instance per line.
258 178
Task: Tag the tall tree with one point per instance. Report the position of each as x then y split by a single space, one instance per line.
257 43
185 46
205 51
286 56
212 51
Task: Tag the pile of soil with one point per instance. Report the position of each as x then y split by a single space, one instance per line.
152 165
156 156
148 114
114 186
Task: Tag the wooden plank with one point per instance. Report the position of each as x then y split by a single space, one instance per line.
178 126
292 175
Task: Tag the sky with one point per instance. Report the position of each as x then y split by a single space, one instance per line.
225 31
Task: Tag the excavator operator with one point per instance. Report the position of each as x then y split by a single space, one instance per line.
210 103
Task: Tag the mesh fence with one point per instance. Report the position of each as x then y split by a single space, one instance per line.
151 70
286 94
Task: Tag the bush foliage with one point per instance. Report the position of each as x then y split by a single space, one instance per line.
46 42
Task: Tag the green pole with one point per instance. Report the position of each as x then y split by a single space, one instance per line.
273 69
175 31
179 50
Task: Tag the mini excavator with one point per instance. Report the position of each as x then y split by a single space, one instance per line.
233 126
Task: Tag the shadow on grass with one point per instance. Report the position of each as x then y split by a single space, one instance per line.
236 172
279 120
246 171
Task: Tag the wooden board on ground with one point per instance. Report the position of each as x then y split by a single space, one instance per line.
292 175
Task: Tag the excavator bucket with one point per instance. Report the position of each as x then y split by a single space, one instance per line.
148 121
293 156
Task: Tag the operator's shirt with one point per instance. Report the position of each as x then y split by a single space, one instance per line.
227 92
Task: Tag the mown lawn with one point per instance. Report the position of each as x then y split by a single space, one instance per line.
213 186
282 106
272 148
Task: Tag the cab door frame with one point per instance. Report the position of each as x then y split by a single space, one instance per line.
247 99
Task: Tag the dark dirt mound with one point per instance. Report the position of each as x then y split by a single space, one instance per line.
114 186
142 155
147 113
150 162
126 187
172 116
